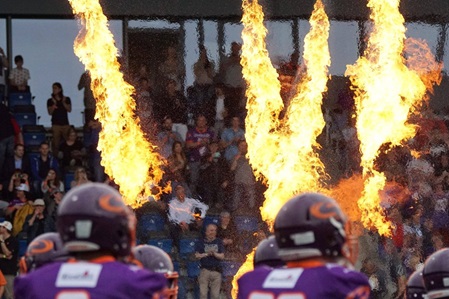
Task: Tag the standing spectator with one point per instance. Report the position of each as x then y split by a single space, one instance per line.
93 152
88 98
41 164
210 252
35 223
167 137
174 104
230 138
58 107
204 72
244 180
184 214
3 65
71 151
9 254
6 134
232 77
172 68
197 140
227 232
144 107
217 110
19 76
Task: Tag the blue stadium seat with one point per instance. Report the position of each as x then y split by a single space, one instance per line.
164 244
68 178
151 222
215 219
246 223
25 118
193 269
19 98
23 244
187 245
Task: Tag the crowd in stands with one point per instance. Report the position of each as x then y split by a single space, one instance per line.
200 131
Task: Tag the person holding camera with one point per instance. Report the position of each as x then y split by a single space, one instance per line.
210 252
58 106
17 178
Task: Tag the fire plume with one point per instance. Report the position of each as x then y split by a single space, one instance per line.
386 92
282 151
126 155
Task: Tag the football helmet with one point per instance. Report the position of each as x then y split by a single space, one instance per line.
310 225
436 274
155 259
267 253
415 288
44 249
94 217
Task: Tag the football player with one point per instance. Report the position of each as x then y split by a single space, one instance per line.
436 274
310 233
155 259
267 254
415 288
44 249
96 229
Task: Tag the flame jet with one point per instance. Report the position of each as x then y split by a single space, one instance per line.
386 92
126 155
282 151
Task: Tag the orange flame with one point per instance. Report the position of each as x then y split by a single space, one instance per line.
246 267
386 91
282 151
126 155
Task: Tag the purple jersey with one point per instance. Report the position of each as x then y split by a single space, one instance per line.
325 282
84 280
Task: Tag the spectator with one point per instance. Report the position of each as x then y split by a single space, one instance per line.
210 252
216 111
80 177
244 180
172 69
167 137
40 166
3 65
34 224
51 182
177 166
232 78
16 180
227 232
58 107
174 104
71 151
20 208
52 208
88 97
230 138
9 254
214 177
17 161
144 107
19 76
94 154
197 140
376 278
6 134
185 214
204 72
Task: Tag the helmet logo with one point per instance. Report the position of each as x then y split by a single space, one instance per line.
39 247
325 210
111 204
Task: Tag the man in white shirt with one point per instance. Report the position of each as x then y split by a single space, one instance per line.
184 214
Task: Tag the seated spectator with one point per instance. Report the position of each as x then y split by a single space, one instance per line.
184 214
16 180
19 76
71 151
80 177
18 161
177 166
227 232
52 208
230 138
167 137
35 223
40 166
52 182
19 208
214 177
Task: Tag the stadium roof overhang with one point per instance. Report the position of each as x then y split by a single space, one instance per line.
428 11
